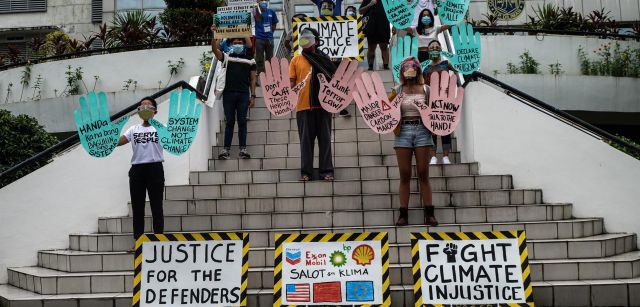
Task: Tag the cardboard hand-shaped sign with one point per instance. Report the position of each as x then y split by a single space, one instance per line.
445 104
98 135
335 95
371 98
279 97
452 12
468 49
399 12
182 125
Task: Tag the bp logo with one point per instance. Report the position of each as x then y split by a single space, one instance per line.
506 9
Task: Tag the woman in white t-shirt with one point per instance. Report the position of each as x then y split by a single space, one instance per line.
146 174
427 31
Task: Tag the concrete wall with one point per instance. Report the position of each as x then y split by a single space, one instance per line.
621 10
509 137
71 193
580 93
145 66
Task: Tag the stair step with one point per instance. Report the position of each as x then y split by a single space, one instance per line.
284 219
621 292
575 238
290 162
346 173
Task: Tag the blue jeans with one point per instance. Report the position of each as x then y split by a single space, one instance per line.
236 105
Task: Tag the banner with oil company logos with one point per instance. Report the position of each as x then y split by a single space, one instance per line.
332 269
191 269
471 268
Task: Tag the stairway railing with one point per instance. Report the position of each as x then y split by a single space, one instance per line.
75 139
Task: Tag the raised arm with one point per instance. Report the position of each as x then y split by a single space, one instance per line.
215 45
364 9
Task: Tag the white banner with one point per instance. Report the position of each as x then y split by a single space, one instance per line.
339 36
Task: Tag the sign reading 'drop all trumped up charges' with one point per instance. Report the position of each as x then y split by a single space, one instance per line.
332 269
232 24
191 269
340 36
471 268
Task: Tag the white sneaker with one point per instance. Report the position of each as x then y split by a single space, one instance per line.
434 160
445 160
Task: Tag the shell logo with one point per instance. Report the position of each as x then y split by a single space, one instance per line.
363 254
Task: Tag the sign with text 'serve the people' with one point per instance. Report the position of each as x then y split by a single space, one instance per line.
471 268
233 24
332 269
191 269
340 36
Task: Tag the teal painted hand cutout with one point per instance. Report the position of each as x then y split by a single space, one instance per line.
406 47
468 49
399 12
98 135
452 12
181 129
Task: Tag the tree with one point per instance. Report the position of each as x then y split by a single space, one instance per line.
188 20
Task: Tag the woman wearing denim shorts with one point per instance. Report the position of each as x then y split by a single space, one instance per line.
413 138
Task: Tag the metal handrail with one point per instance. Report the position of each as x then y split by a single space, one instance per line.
75 139
553 111
508 29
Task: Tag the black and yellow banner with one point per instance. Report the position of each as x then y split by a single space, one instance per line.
341 37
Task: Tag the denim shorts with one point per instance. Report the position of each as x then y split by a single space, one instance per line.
412 136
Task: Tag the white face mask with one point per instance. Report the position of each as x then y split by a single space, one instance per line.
410 73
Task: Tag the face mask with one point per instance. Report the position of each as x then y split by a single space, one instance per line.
237 48
326 12
351 13
146 112
307 42
426 20
264 4
410 73
434 54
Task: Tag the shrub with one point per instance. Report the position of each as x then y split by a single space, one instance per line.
133 28
186 24
528 65
611 60
626 150
20 138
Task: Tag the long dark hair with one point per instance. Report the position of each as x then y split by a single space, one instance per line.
420 28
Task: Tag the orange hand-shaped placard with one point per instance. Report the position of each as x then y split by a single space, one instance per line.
380 115
336 94
445 104
279 97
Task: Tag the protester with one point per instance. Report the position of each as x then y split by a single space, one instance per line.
313 121
377 30
351 11
239 93
266 21
289 38
420 7
413 139
146 175
427 31
336 7
438 63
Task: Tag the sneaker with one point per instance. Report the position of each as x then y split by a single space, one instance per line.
434 160
224 155
445 160
344 113
244 154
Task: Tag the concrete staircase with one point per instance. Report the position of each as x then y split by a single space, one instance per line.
574 261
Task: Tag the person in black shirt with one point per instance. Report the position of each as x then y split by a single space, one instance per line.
376 29
239 93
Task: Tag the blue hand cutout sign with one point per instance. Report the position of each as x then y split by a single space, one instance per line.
182 127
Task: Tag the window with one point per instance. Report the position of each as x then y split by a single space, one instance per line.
96 11
17 6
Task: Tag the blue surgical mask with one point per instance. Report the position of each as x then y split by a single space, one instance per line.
237 48
426 20
264 4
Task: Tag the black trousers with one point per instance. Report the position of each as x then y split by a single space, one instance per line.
312 124
143 179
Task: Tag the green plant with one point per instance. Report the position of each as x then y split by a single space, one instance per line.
74 78
25 78
37 88
174 68
133 28
205 63
128 83
188 20
528 65
626 150
21 137
611 60
556 69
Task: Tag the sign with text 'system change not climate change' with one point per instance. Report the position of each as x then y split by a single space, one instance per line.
191 269
233 24
471 268
332 269
340 36
182 125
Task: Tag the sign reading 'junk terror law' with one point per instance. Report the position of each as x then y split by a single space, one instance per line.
477 268
191 269
332 269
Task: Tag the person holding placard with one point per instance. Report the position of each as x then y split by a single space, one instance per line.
377 31
438 63
146 175
420 7
239 92
266 22
413 138
313 121
427 31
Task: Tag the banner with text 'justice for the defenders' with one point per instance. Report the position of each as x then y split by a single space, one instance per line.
191 269
471 268
349 269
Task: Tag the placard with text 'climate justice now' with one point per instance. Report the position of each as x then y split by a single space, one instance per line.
340 36
191 269
471 268
345 269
